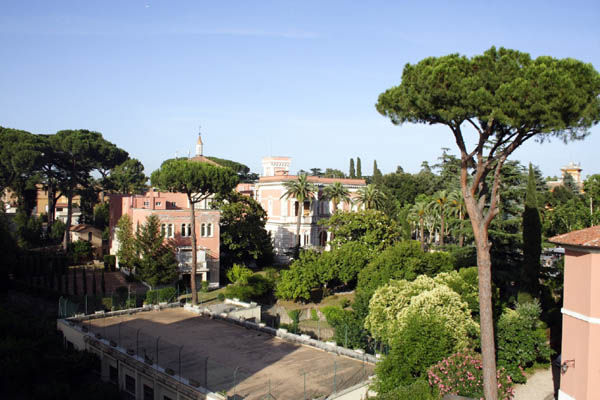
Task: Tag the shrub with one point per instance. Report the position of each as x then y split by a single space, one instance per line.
521 339
167 294
152 297
110 262
423 340
257 288
344 303
107 303
220 297
239 274
348 327
418 390
462 374
120 296
294 316
314 315
80 251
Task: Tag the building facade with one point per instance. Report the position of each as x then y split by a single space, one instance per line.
283 212
173 211
580 365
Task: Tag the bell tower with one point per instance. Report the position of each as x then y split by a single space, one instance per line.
199 144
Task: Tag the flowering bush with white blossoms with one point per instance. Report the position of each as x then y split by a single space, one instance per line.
393 303
462 374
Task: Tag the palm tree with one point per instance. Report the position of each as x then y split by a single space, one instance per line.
418 212
457 209
440 203
371 197
337 193
302 190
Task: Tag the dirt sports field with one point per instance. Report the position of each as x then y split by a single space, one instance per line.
228 358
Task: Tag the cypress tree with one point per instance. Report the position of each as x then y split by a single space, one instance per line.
532 239
358 168
352 173
377 177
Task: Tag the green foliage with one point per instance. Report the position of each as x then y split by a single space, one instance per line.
294 316
298 281
242 171
405 260
337 193
10 249
239 274
220 297
394 304
258 288
371 197
101 215
110 262
29 230
521 339
157 264
424 340
57 231
462 374
167 294
128 177
369 227
358 168
348 329
417 390
244 238
351 171
377 177
314 314
127 248
342 263
532 239
80 251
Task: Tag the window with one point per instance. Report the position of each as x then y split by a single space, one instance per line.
129 384
209 230
306 208
189 230
284 208
113 374
183 230
306 239
163 229
146 203
203 230
148 393
170 230
158 203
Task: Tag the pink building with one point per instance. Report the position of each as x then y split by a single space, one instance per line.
580 373
282 212
173 210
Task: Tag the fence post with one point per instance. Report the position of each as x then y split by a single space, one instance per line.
234 380
180 348
157 339
334 375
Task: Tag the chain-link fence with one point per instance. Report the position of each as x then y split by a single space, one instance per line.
192 364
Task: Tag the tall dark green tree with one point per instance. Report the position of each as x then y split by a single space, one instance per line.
377 176
157 264
128 177
352 172
198 181
358 168
532 239
507 98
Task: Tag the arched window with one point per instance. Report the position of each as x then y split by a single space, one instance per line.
189 229
203 230
183 232
209 230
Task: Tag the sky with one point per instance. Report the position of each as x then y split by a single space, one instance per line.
261 78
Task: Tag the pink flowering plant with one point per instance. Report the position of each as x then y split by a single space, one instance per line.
461 374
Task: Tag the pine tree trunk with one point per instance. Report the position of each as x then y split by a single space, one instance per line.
67 237
484 268
194 253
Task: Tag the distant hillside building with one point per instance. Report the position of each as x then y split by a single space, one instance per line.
572 169
282 212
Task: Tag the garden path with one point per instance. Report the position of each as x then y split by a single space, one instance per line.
539 386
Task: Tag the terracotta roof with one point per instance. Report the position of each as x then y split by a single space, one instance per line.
81 227
589 237
204 159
